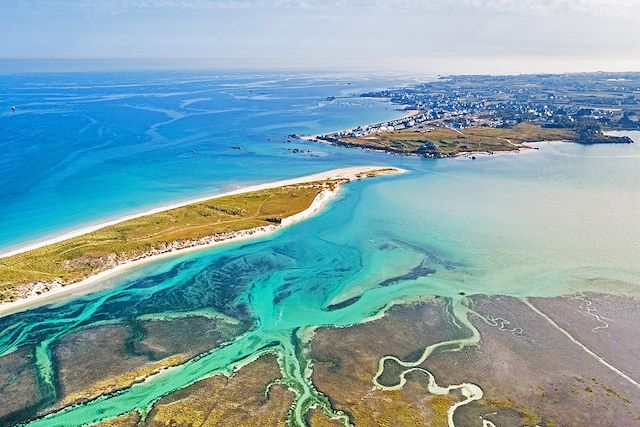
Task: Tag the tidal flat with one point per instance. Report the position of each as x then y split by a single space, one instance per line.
530 373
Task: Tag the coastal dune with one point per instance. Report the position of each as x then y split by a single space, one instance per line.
289 201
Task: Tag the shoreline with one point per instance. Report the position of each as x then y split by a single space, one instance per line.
346 173
409 113
519 148
318 203
522 148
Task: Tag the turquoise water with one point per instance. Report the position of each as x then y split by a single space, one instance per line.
549 222
85 147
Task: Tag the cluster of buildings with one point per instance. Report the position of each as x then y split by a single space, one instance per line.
613 100
392 125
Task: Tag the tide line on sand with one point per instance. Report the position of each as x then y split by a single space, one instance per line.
321 200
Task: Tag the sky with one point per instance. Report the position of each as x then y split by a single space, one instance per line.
395 36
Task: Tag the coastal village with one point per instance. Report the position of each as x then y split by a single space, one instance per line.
412 120
583 105
611 100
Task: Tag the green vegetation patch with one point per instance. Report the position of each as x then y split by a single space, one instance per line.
446 141
77 258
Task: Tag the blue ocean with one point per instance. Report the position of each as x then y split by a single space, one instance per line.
84 147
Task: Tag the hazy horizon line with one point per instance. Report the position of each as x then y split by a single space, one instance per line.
107 64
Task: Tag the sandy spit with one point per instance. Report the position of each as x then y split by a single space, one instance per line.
60 291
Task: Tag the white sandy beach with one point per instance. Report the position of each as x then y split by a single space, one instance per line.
321 200
343 173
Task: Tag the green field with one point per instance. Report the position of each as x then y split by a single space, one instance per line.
77 258
443 142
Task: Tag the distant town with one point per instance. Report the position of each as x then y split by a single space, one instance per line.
610 99
584 105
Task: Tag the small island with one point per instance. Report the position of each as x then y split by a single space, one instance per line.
38 270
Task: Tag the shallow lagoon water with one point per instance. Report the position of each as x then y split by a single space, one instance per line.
554 221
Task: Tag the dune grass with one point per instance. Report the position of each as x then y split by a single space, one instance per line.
77 258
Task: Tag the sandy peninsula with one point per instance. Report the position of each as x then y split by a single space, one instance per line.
39 292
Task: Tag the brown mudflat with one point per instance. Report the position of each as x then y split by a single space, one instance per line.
559 361
531 373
